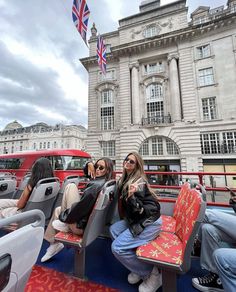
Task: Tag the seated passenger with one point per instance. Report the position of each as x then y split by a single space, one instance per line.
225 261
218 229
139 207
41 169
75 209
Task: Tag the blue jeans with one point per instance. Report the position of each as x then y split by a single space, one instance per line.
124 245
217 230
225 261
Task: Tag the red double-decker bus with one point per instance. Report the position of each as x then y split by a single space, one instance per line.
65 162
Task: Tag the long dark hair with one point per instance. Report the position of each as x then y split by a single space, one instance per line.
109 167
42 168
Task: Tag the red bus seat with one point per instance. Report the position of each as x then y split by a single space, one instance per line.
171 251
94 227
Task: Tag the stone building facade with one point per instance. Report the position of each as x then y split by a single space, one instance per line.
170 89
15 138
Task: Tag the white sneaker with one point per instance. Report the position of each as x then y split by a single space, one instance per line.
152 283
52 250
133 278
58 225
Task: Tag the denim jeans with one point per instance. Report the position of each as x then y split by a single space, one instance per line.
217 230
124 245
225 261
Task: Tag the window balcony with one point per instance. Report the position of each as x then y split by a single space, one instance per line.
156 120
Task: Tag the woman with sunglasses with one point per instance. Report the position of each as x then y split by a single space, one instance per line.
140 209
75 209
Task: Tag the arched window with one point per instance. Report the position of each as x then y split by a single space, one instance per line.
107 110
159 146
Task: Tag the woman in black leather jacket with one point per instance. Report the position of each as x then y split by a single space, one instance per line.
75 209
140 210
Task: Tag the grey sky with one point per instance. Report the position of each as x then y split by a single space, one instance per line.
41 78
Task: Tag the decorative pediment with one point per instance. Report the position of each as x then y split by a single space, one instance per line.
106 85
200 10
155 78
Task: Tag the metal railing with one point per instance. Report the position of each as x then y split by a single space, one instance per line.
156 120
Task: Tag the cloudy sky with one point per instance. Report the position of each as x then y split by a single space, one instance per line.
41 78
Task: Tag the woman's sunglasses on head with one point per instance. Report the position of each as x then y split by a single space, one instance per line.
131 161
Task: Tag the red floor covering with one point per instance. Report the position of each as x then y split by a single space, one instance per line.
43 280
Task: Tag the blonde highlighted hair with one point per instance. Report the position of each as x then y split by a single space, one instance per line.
127 179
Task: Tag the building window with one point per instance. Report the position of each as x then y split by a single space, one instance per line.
48 145
210 143
209 108
35 146
108 148
171 147
144 149
44 145
155 106
55 144
107 110
157 146
229 142
151 31
206 77
203 52
40 145
153 68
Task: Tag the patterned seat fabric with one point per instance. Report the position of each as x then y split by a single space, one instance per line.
69 237
170 247
167 247
168 223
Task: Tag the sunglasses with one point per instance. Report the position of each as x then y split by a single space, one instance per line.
99 167
131 161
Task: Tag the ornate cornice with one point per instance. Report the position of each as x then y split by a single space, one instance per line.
165 40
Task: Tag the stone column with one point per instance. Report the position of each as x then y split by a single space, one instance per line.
135 119
174 88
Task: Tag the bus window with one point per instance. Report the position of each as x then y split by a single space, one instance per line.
11 163
56 161
74 163
67 162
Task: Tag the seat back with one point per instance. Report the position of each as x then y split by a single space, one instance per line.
97 218
17 260
7 186
21 187
180 199
193 212
69 179
43 196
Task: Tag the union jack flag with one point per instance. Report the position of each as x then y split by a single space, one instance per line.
101 54
80 15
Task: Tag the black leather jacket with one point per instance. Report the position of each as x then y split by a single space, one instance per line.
139 210
80 211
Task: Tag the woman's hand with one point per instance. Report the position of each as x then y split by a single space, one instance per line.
134 187
91 170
